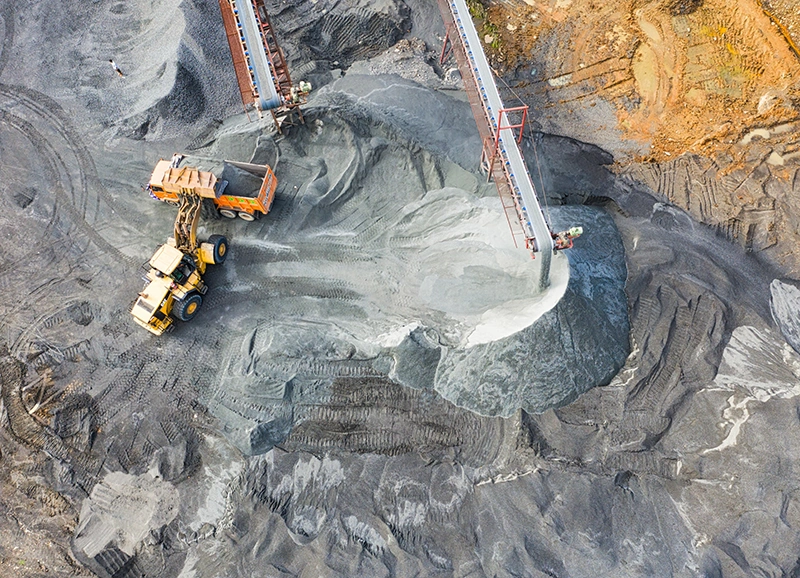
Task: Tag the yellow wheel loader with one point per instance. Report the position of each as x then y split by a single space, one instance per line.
174 280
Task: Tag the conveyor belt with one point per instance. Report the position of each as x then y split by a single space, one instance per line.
259 67
475 70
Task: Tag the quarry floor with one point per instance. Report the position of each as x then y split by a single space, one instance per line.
678 121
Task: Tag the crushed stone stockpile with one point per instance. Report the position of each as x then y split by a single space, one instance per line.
372 388
386 258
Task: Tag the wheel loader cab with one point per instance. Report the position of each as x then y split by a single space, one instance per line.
173 279
183 270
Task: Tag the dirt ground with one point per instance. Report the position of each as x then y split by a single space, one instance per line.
683 75
697 98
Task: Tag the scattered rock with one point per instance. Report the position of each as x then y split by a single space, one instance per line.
120 518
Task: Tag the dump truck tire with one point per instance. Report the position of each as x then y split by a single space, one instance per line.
220 243
245 216
227 213
186 309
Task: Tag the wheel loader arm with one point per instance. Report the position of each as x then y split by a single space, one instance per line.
186 222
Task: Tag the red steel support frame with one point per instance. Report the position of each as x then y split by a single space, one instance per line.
487 161
489 135
447 45
275 56
280 70
239 62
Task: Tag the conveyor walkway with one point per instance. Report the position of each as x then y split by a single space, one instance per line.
501 150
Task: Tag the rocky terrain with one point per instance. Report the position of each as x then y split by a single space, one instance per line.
372 387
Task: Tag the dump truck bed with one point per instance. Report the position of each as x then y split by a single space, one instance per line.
236 186
249 187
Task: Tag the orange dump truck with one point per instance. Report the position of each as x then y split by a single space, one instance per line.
245 190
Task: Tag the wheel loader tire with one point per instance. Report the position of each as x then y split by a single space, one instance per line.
220 243
227 213
186 309
245 216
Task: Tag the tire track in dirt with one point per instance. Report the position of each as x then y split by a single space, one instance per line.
299 251
8 34
55 118
49 354
147 372
52 159
30 432
46 110
695 329
273 288
371 414
62 250
5 280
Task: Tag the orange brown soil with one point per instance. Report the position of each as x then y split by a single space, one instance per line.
683 75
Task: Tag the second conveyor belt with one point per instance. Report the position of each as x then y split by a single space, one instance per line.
258 62
529 211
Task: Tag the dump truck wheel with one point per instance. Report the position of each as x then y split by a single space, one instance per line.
227 213
246 216
220 243
186 310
